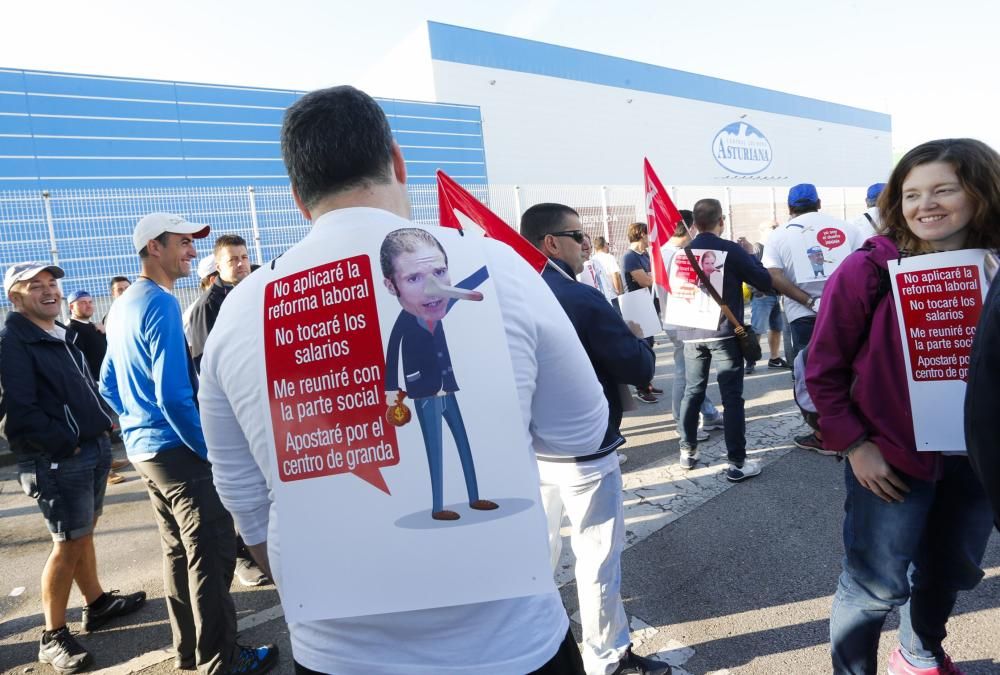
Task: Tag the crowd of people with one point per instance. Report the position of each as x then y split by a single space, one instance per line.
188 410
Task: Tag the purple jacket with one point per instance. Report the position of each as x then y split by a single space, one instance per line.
856 375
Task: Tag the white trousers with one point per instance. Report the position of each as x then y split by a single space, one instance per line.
597 537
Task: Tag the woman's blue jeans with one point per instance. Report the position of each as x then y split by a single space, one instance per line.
915 555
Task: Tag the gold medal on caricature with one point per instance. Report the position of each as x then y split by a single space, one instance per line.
398 414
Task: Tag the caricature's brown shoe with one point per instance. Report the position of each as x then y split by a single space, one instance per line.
445 515
483 505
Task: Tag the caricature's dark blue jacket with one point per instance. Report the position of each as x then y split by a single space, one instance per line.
48 398
426 359
618 356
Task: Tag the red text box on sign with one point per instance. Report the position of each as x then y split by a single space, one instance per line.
326 374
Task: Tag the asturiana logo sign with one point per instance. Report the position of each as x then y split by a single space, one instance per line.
742 149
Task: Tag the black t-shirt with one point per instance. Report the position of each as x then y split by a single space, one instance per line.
634 261
92 342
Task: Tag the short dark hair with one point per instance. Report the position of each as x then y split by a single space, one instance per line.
803 207
636 231
115 280
144 252
543 219
707 213
405 240
333 140
681 229
228 240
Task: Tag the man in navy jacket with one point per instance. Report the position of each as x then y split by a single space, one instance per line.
588 488
57 427
702 346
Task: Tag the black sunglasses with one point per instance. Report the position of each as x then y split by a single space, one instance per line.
576 235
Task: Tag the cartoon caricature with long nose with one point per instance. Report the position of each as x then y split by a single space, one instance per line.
415 267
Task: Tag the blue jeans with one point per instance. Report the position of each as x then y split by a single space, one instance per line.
915 555
677 392
698 357
70 492
430 411
765 314
802 332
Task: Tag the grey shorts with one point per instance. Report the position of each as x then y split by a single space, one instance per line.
70 492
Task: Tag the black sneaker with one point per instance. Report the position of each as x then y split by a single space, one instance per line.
110 606
812 442
63 652
254 660
778 363
249 574
633 664
655 390
645 396
750 368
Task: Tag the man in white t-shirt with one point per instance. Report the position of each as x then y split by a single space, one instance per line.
802 296
593 273
363 185
608 262
869 221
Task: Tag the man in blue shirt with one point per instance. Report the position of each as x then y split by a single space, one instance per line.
415 268
148 378
702 347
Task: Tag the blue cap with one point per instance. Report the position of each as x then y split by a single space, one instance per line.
802 194
874 191
77 295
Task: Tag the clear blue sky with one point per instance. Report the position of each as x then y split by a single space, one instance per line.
930 64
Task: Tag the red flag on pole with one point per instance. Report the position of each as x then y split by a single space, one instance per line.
453 197
663 216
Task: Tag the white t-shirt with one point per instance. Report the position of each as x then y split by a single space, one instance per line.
778 255
563 411
863 224
608 262
595 276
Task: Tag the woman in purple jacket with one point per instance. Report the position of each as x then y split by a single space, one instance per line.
916 523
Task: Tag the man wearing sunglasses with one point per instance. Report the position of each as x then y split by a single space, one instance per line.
588 488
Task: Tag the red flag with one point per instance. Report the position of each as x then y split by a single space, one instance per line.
453 197
663 216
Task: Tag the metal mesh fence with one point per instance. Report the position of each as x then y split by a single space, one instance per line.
88 232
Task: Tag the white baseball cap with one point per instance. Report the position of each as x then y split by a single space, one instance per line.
155 224
26 271
207 266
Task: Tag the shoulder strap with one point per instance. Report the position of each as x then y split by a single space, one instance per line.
869 218
737 326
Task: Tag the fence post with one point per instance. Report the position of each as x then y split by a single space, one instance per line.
517 205
604 213
729 214
843 201
53 248
255 226
774 204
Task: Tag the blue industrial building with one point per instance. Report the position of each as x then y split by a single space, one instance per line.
60 130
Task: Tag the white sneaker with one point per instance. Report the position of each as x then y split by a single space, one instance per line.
702 435
735 474
688 458
711 423
622 458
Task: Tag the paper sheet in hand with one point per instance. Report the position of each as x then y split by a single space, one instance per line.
637 307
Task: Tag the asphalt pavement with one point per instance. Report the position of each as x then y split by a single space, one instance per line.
718 578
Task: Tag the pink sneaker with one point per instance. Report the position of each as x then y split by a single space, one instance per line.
900 666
